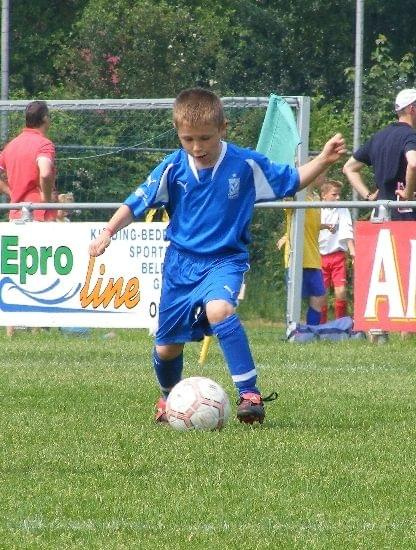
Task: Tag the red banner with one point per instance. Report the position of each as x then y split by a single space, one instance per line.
385 276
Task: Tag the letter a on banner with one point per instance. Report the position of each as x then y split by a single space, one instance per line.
385 279
385 276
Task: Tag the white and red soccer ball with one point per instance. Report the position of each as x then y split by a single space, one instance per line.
197 403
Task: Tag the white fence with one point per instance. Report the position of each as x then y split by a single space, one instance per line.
73 290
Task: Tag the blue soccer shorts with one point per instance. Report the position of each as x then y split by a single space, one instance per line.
189 282
312 282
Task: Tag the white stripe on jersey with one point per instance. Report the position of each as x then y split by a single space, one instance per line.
191 161
162 194
222 155
263 189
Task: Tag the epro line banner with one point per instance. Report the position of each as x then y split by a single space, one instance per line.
48 279
385 276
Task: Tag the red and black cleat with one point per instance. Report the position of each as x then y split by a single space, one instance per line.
251 407
160 415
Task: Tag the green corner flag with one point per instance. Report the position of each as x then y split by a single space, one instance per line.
279 136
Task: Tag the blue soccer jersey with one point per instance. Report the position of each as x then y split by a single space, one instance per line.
211 209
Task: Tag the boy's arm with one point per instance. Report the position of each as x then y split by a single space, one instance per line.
152 193
332 151
120 219
281 242
284 239
351 247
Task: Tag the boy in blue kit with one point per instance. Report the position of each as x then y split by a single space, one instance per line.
209 188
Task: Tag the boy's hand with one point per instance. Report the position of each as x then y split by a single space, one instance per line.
281 242
98 245
334 149
332 227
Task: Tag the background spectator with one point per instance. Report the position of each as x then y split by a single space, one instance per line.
392 154
313 287
27 166
334 240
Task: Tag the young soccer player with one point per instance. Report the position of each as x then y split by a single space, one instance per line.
209 188
334 241
313 288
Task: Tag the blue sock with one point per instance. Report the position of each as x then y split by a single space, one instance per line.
234 344
168 373
313 317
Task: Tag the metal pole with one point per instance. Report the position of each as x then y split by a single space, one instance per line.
5 55
358 86
295 272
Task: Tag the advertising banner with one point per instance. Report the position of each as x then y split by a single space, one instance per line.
49 280
385 276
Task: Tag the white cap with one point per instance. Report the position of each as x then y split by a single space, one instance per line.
405 98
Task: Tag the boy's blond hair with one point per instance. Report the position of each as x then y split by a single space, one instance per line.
329 184
196 106
66 197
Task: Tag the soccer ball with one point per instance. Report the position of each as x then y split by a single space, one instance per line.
197 403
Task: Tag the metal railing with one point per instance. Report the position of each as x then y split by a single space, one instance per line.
387 204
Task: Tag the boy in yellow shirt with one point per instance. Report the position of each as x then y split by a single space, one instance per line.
313 286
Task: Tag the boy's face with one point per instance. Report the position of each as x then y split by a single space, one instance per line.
333 194
202 142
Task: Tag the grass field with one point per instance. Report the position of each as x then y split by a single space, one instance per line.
84 466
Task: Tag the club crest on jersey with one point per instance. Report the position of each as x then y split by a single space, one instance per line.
233 187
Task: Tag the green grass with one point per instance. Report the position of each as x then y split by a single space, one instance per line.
84 466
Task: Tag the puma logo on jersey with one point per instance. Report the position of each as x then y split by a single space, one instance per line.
149 181
184 185
140 191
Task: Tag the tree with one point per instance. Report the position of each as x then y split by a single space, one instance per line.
38 30
155 47
238 47
385 77
121 49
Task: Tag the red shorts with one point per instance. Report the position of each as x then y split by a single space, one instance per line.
334 269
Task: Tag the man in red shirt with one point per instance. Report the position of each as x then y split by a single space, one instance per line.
27 164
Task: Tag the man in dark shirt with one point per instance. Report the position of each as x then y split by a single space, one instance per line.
392 154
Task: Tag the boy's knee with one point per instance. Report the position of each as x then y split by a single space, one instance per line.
218 310
169 351
317 302
340 292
